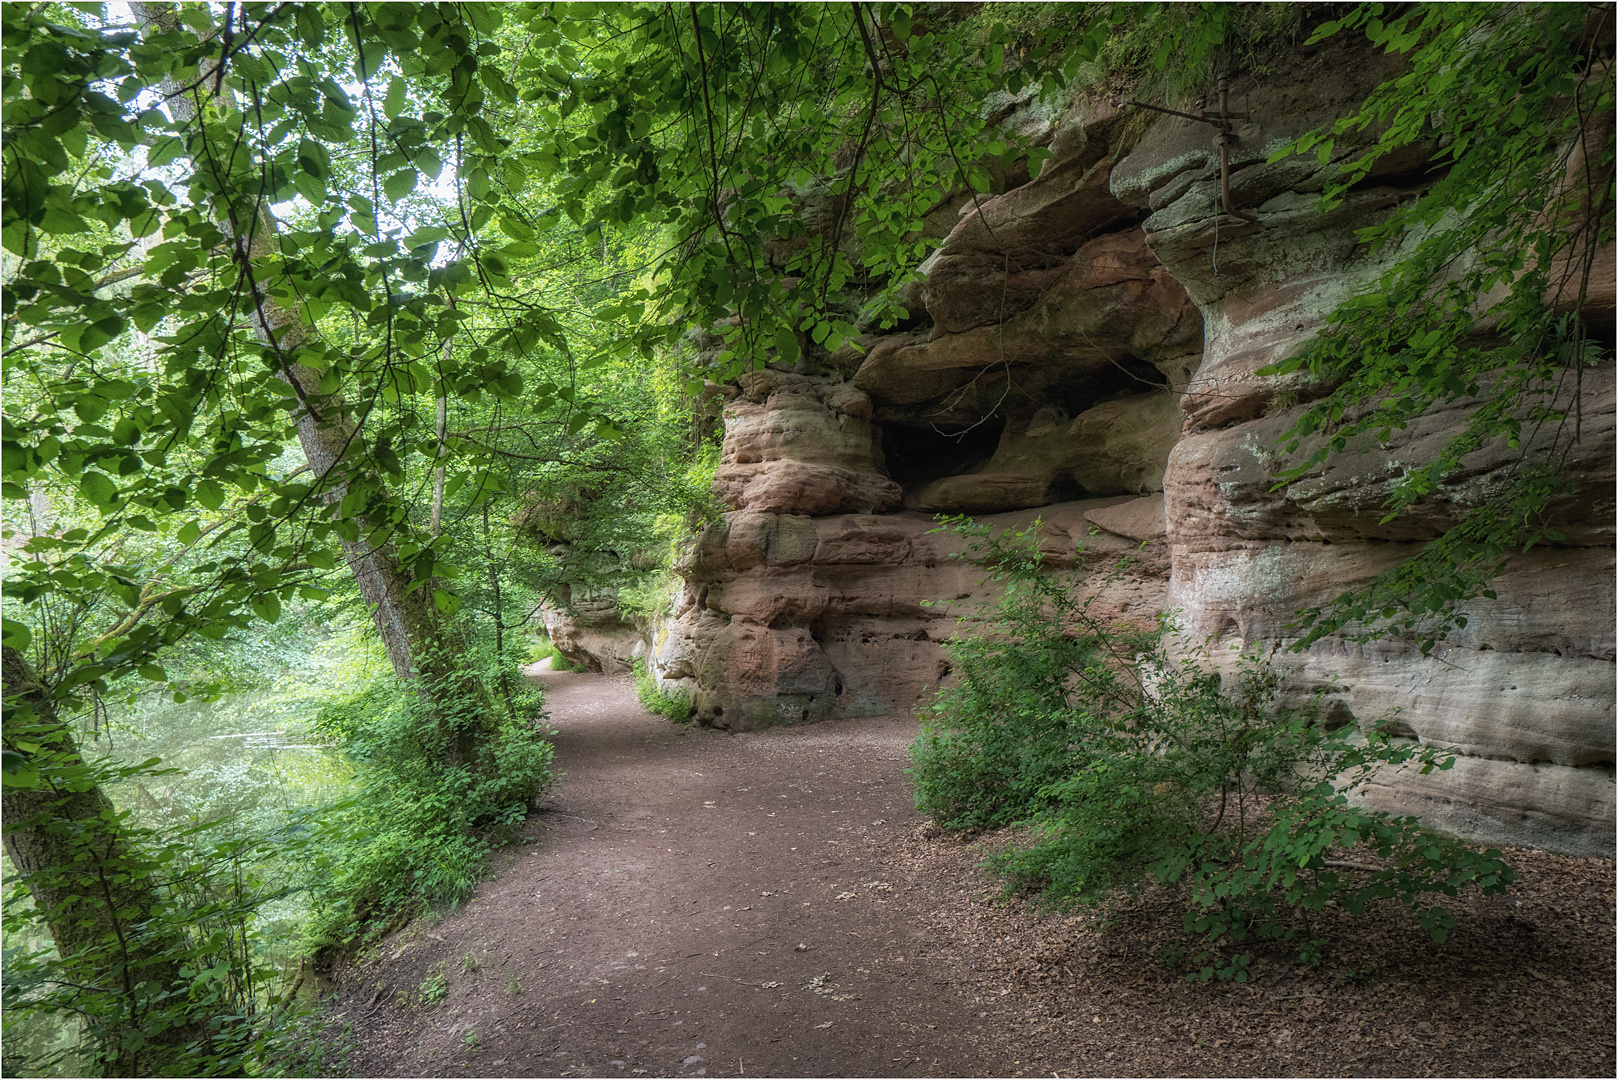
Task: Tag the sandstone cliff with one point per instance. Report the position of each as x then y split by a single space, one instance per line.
1088 355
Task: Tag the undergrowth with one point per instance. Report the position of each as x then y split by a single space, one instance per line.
184 921
1135 761
549 651
676 706
1165 52
422 819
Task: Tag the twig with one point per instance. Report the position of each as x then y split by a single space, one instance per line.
1346 865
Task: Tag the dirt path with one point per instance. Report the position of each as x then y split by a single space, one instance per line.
768 904
692 903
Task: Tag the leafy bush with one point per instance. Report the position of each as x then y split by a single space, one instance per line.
422 820
435 987
1133 763
676 706
649 595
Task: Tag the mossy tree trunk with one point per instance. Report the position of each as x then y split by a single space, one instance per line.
100 896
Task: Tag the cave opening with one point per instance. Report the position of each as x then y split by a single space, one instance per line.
1123 376
918 454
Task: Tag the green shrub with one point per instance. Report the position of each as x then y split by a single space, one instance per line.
649 595
676 706
421 822
434 988
548 651
173 979
1134 763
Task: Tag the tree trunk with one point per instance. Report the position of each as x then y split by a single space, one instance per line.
95 892
406 620
418 641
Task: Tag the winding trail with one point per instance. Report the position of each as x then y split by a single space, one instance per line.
689 903
693 903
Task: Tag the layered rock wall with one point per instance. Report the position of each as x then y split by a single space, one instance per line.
1089 355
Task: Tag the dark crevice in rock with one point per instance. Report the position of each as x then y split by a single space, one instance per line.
1417 179
916 454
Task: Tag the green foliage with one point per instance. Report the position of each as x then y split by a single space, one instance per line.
549 651
313 1045
1486 283
239 847
421 821
1133 762
500 221
790 151
193 921
1164 52
676 706
232 818
651 595
434 988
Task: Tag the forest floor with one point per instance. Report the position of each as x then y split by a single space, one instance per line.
696 903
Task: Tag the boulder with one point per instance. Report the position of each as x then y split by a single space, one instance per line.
1140 520
1123 446
589 631
754 676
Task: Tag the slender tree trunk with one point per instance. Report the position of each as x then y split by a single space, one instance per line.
499 617
442 432
405 618
438 471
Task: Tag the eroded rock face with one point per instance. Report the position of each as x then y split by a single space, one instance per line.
1092 359
1009 250
1528 680
1116 447
1110 322
798 444
590 631
793 619
1525 690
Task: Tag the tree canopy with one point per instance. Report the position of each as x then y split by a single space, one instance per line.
318 306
